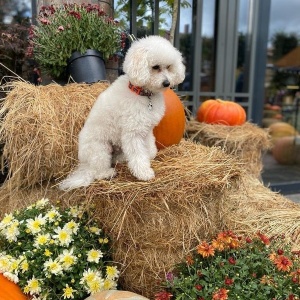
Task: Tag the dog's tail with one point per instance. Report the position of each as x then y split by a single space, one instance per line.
79 178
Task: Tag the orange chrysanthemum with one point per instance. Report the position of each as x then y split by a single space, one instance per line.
272 256
234 244
221 294
283 263
189 260
218 244
206 249
266 280
264 238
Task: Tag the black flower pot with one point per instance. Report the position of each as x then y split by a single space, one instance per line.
88 67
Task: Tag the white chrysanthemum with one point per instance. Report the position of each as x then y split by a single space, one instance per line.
94 255
42 203
95 286
52 215
33 286
89 275
74 211
109 284
67 259
95 230
8 218
4 263
112 272
11 276
63 235
24 266
72 226
41 240
35 225
53 267
68 292
11 232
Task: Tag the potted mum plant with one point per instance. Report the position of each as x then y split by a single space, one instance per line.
68 32
232 267
51 253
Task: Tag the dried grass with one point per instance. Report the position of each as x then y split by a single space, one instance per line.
252 207
39 128
153 224
248 142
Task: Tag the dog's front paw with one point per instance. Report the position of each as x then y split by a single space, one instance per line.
145 174
105 174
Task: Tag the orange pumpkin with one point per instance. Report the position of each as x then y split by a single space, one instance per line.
221 112
9 290
170 130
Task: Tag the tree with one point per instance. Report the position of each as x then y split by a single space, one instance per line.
145 13
283 43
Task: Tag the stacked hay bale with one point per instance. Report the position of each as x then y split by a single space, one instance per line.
198 190
247 142
40 126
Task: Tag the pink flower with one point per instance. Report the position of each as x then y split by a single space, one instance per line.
45 21
61 28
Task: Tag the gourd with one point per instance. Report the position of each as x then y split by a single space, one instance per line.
171 128
286 151
9 290
221 112
281 129
116 295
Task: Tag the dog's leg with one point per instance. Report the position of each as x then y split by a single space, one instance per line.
137 154
151 146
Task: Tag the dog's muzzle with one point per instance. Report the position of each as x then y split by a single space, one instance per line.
166 83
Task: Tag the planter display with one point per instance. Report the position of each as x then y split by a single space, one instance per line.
88 67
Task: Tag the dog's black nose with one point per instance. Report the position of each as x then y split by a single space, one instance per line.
166 83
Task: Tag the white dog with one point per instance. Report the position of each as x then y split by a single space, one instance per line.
121 122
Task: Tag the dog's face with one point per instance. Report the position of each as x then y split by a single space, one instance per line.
153 63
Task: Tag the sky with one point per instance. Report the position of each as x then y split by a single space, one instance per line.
285 16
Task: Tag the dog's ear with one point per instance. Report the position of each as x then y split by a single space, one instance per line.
179 70
136 65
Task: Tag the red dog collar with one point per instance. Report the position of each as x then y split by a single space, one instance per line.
139 90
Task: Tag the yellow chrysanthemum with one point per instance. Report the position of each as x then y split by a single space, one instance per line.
94 255
112 272
47 253
68 292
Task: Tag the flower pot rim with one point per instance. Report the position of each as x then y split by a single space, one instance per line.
89 52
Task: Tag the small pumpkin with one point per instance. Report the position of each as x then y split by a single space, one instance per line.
286 151
116 295
221 112
9 290
281 129
171 128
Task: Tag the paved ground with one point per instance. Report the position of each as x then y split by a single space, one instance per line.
278 175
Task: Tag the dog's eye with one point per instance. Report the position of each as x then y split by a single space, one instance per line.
156 67
168 67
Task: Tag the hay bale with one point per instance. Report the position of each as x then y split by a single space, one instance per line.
198 191
40 126
153 224
247 142
252 207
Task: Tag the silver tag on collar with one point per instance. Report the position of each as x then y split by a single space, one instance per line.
150 106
